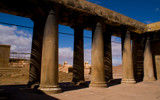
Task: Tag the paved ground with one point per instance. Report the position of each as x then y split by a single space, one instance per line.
139 91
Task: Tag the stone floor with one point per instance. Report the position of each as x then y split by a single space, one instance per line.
115 91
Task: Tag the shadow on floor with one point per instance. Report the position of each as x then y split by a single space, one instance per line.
67 86
20 92
114 82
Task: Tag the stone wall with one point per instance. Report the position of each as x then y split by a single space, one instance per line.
4 56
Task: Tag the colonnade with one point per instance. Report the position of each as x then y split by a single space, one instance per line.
48 53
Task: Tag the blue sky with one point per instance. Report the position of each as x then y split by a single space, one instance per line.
146 11
142 10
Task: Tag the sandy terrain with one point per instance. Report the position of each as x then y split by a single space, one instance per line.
139 91
13 87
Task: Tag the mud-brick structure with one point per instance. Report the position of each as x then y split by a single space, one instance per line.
140 61
4 56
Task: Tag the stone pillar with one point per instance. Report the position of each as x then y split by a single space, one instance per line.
137 50
127 63
78 56
108 57
148 63
157 63
98 73
49 70
36 51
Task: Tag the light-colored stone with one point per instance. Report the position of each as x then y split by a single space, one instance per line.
66 68
87 68
157 61
4 56
49 70
127 63
98 73
148 63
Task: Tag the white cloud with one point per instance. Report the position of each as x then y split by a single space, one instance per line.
116 62
87 55
116 50
116 54
19 40
157 9
66 54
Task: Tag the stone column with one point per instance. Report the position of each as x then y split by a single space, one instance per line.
49 70
127 63
157 63
108 56
78 56
36 51
137 50
148 62
98 73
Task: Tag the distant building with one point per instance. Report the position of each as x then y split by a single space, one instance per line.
4 56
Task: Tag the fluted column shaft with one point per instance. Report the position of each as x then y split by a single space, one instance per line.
36 51
108 56
148 63
98 73
127 62
78 56
49 70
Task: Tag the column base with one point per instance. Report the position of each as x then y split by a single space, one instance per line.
80 83
149 79
128 81
50 90
33 85
98 85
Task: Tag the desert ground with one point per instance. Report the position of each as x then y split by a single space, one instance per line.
139 91
13 87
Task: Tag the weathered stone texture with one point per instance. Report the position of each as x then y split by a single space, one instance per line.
36 52
78 56
108 56
154 26
155 43
148 63
138 50
98 73
49 66
127 61
4 56
157 63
